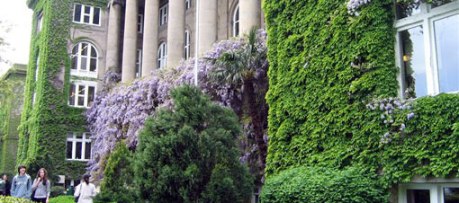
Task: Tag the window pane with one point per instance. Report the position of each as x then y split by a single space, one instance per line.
87 154
83 63
78 150
93 52
84 49
87 9
91 94
77 14
93 64
414 68
79 135
418 196
72 95
95 19
447 44
451 195
86 19
74 62
69 150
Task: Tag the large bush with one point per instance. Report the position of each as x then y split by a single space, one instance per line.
117 185
188 153
309 184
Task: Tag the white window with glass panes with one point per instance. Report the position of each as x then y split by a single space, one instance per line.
84 60
447 192
84 14
78 146
82 93
138 64
428 48
163 15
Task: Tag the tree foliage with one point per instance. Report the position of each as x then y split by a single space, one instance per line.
246 68
119 112
188 153
117 185
316 184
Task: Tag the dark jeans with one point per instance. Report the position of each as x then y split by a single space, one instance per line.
42 200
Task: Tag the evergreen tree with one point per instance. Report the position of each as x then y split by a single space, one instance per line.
117 185
189 154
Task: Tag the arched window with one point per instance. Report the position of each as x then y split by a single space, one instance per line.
84 60
236 22
162 55
187 45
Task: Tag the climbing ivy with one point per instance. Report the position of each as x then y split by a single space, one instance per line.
333 64
11 100
46 117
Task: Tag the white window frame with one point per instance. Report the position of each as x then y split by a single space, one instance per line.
79 71
425 18
85 139
138 64
435 190
163 12
84 94
236 22
162 55
187 47
140 23
82 14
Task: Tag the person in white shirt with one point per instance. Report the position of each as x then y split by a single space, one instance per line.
85 190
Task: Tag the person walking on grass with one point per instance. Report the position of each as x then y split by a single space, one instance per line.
41 186
21 186
86 191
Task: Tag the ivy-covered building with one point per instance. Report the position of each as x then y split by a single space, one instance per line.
11 101
76 42
371 84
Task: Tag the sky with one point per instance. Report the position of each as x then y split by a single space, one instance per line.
18 17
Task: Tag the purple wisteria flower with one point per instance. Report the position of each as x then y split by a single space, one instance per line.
120 110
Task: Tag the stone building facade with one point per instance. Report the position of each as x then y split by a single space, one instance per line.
75 42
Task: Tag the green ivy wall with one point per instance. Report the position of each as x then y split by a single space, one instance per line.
11 100
332 64
45 123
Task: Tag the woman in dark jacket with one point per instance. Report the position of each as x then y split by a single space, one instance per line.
5 185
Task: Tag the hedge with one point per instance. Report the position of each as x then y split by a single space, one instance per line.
316 184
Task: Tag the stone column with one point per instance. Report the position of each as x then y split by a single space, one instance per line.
129 41
113 37
150 37
249 15
175 32
207 25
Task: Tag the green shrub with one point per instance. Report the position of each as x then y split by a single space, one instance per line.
10 199
117 185
57 191
62 199
315 184
189 153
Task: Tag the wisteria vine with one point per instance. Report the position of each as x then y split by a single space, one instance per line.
394 114
120 110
